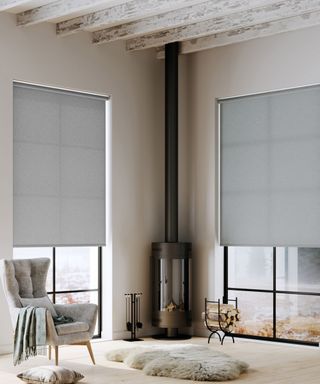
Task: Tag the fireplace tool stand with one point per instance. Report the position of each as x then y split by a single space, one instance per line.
133 321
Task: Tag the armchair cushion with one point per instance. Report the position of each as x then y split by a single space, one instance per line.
79 312
41 302
85 313
67 329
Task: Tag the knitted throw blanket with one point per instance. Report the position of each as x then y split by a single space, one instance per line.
30 333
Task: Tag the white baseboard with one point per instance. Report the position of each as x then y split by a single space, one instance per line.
144 332
199 330
5 349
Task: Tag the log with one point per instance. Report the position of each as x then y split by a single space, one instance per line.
214 316
223 307
220 326
222 317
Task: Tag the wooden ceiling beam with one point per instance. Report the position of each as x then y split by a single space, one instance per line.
6 5
248 33
188 15
59 9
280 10
239 35
120 14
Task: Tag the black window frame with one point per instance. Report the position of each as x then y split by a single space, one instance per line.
274 291
54 292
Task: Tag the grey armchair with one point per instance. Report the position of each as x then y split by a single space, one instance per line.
26 278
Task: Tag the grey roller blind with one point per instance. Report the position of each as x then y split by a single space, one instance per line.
58 167
270 169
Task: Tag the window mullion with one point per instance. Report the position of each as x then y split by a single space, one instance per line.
225 275
54 274
274 288
100 290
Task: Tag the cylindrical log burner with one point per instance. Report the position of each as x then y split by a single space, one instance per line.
172 286
171 260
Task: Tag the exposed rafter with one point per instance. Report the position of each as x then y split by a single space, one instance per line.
6 5
197 24
265 14
61 8
247 33
185 16
127 12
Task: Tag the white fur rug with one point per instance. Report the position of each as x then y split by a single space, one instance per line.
184 361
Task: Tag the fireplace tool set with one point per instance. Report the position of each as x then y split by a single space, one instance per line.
133 321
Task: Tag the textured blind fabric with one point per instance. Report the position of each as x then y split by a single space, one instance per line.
58 167
270 169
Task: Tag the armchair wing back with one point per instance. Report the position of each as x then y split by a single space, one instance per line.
23 279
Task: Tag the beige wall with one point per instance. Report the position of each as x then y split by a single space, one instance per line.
134 82
286 60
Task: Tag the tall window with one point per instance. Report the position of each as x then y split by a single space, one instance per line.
278 291
59 187
269 147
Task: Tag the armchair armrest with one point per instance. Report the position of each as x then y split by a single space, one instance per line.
52 336
14 313
86 313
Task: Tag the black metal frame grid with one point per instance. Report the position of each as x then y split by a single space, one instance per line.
54 292
274 291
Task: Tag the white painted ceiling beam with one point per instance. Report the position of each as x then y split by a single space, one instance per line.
265 14
188 15
120 14
61 8
261 30
248 33
6 5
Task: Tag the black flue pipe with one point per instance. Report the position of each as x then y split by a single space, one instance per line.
169 311
171 142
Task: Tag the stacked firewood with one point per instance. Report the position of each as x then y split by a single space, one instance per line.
226 319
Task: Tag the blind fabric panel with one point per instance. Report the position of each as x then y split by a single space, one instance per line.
58 168
270 169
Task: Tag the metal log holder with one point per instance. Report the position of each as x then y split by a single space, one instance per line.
133 321
221 327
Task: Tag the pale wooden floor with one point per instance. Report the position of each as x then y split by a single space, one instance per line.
269 363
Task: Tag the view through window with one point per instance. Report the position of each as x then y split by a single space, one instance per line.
74 274
278 291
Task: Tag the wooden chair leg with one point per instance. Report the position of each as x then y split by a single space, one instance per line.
49 352
56 348
88 344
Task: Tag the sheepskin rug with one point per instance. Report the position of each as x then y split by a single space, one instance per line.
184 361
